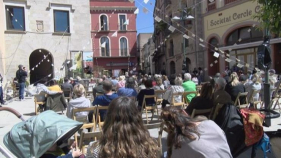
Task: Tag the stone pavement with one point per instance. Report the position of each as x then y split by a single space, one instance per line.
26 107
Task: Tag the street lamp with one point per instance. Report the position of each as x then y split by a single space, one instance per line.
183 18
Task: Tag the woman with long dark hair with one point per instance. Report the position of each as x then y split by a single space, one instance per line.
193 138
123 134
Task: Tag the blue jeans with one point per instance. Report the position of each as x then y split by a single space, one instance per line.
21 90
1 95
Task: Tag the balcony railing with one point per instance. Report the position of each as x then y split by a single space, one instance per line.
229 1
211 6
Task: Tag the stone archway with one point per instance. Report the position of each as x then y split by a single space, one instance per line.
40 65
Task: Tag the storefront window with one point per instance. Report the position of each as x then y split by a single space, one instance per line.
244 35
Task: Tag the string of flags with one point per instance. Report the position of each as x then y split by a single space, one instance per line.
217 52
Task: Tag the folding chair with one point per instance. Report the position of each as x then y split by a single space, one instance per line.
100 123
67 94
92 125
252 100
198 89
86 138
180 95
185 94
238 102
149 108
39 99
159 125
159 100
196 112
216 110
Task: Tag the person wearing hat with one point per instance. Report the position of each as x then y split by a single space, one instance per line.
21 75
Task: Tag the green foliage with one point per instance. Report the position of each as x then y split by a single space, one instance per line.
161 26
269 15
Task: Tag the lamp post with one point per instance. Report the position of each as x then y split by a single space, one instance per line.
183 18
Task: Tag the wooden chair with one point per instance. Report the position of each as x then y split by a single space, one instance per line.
216 110
86 138
251 98
67 94
238 102
196 112
92 125
100 123
159 100
149 108
185 96
159 125
39 99
173 102
198 89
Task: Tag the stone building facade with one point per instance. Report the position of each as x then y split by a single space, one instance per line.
174 53
142 39
42 35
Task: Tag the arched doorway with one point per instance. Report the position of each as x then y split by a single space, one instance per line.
172 68
211 59
40 65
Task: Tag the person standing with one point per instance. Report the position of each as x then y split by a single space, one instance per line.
21 75
1 91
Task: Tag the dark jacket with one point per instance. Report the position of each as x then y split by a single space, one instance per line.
233 91
149 101
56 102
21 76
199 103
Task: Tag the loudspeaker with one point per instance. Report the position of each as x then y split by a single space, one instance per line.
264 57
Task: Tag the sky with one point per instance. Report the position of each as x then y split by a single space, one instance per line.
145 20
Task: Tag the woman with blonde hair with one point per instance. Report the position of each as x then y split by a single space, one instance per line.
233 87
254 86
79 102
123 134
121 83
193 137
166 81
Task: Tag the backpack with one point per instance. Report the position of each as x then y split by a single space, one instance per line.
230 120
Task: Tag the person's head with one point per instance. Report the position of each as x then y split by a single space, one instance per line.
178 81
114 77
20 67
165 77
123 132
79 90
256 78
243 78
220 83
148 83
65 80
122 78
52 82
130 82
100 80
104 77
78 78
180 127
217 75
158 81
187 77
207 91
107 85
271 72
234 81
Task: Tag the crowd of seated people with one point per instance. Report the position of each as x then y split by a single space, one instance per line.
123 132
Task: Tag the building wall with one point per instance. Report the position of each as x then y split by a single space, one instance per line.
2 41
112 9
142 39
21 45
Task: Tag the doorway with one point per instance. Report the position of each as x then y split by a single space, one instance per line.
40 65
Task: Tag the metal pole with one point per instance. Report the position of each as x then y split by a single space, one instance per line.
267 96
